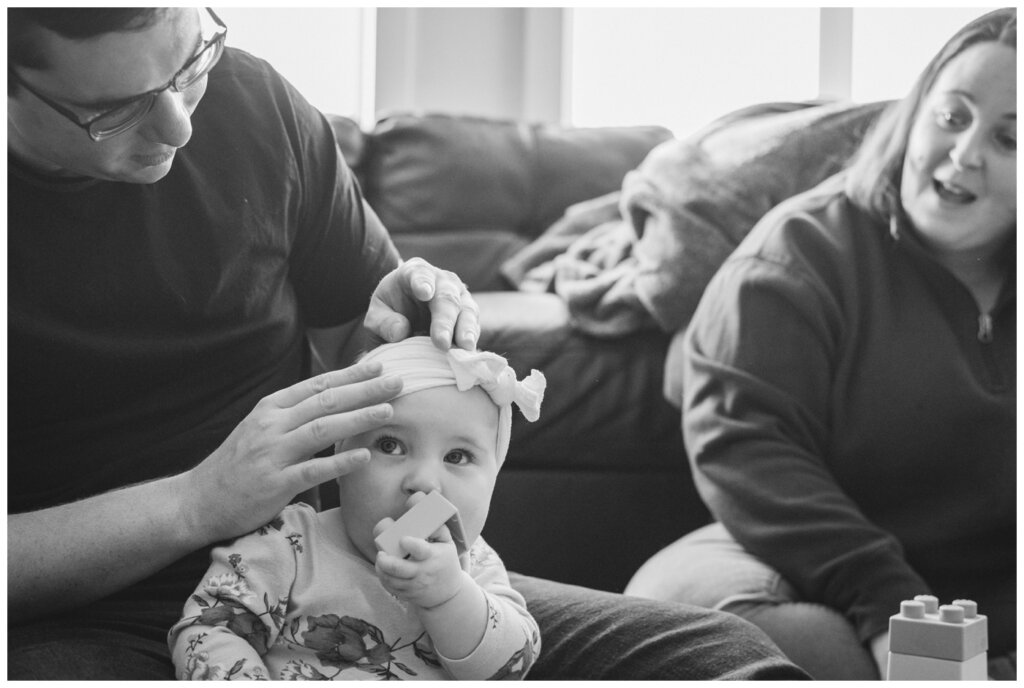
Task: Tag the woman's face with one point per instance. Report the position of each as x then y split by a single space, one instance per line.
959 185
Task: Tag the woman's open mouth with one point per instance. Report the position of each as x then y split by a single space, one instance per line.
952 193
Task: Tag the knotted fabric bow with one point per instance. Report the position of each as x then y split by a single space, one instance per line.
421 365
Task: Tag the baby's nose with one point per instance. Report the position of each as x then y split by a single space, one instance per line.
423 476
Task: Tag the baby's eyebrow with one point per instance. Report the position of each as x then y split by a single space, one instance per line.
465 439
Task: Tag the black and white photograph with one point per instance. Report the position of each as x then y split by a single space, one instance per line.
472 342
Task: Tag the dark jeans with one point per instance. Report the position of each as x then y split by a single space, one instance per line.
585 634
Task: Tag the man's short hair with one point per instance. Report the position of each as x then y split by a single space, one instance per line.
71 22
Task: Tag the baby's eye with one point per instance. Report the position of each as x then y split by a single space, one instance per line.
459 457
389 445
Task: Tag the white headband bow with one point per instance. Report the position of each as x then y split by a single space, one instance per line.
421 365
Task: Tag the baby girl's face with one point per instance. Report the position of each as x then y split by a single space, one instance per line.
438 439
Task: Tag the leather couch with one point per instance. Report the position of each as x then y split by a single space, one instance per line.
601 481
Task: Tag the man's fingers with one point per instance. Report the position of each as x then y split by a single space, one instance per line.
342 399
467 327
330 429
421 278
317 471
385 323
301 391
445 309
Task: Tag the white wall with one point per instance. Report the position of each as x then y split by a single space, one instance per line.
496 62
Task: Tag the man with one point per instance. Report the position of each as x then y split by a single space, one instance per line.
178 217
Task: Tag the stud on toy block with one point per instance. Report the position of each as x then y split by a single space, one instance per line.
929 641
426 516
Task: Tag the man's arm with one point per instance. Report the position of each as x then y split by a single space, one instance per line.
68 555
76 553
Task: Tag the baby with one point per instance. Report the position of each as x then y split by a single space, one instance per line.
309 596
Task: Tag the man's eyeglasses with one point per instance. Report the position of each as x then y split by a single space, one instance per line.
125 116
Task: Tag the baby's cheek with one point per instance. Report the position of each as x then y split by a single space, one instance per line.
473 519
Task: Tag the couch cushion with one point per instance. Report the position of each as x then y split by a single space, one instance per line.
603 408
445 172
471 254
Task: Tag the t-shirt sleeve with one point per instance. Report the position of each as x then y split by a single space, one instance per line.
341 249
511 641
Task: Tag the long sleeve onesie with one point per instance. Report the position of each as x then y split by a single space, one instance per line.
851 415
287 602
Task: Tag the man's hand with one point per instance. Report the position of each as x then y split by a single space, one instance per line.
265 461
417 293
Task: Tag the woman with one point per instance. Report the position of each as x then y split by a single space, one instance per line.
850 384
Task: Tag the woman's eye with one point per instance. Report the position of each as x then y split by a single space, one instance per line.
458 457
951 119
389 445
1007 141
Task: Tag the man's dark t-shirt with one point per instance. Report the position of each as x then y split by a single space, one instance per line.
146 320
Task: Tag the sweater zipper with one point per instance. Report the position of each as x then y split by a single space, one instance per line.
997 382
985 328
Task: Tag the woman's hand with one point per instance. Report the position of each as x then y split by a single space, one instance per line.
417 293
265 461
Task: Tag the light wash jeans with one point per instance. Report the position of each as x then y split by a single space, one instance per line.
709 569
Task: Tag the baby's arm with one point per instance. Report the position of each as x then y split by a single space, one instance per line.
478 623
237 610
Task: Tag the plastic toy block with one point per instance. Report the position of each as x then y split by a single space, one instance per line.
954 632
915 668
429 514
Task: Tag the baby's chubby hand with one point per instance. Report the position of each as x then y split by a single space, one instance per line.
431 574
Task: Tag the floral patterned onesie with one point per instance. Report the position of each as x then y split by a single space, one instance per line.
288 603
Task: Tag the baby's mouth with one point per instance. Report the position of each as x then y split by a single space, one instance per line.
952 192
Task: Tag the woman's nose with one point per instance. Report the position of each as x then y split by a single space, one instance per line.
423 476
967 150
170 119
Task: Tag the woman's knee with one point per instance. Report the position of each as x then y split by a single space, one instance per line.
709 569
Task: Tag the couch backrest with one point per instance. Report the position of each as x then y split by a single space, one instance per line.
436 172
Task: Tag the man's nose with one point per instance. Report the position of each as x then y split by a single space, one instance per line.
170 119
423 476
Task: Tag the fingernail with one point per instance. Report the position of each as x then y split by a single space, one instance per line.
392 384
381 412
469 340
395 332
426 289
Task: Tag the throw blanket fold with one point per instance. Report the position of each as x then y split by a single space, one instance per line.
640 258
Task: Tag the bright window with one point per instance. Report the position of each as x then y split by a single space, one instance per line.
682 67
892 46
321 51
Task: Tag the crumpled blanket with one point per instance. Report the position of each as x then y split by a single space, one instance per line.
639 258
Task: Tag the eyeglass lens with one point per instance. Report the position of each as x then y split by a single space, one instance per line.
125 117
